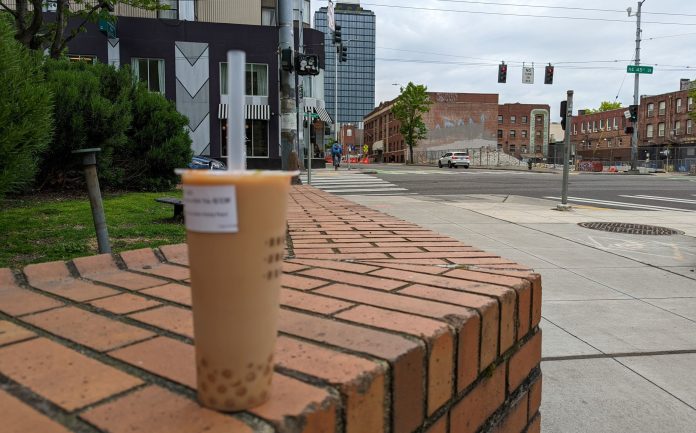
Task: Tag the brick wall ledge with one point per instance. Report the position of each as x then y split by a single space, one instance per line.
384 327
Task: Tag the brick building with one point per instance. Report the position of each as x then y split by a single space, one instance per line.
665 123
601 136
523 130
459 121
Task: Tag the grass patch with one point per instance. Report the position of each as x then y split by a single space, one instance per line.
48 228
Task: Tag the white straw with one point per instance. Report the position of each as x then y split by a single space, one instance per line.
236 147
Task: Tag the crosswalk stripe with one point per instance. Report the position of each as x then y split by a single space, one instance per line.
621 204
658 198
365 190
356 183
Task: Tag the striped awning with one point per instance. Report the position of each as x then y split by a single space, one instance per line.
255 111
324 115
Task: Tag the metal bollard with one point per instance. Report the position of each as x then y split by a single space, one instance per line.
89 161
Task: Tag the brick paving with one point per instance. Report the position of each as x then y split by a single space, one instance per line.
384 327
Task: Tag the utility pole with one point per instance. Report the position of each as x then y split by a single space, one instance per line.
300 95
288 91
636 95
566 151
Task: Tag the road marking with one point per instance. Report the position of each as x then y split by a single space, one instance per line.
658 198
364 190
357 183
622 204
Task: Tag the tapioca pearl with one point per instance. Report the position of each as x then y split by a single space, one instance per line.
204 362
259 367
269 275
237 383
250 365
250 376
227 373
270 259
222 389
272 241
279 256
241 392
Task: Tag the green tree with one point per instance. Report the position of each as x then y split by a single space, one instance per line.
408 110
604 106
26 106
37 33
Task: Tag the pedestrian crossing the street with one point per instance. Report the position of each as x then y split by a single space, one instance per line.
353 183
638 202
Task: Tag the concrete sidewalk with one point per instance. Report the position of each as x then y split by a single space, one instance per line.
619 311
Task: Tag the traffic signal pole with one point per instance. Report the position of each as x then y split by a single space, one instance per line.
566 152
636 96
288 106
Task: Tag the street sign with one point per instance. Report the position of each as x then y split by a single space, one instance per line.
528 75
635 69
108 28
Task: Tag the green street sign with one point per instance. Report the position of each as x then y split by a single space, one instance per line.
634 69
108 28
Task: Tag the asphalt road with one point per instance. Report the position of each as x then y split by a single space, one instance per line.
646 192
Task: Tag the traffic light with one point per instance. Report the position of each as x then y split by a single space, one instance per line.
502 73
633 109
548 77
564 114
337 35
343 54
286 59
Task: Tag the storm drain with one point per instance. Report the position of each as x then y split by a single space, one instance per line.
631 229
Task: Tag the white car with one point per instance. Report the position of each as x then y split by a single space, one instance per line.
454 159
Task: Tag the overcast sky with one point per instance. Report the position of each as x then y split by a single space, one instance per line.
465 48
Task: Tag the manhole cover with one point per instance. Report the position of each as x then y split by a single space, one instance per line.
631 229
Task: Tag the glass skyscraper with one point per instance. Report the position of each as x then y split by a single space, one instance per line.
356 76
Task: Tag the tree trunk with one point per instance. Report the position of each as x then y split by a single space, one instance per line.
410 149
61 23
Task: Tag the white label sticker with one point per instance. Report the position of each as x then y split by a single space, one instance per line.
211 209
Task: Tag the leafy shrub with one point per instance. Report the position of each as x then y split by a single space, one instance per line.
25 112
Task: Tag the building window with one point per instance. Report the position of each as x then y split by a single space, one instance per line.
512 149
524 133
582 127
512 133
256 137
172 11
268 17
661 108
689 126
677 128
523 149
500 133
256 79
82 58
150 72
649 131
616 123
678 105
524 120
690 103
601 124
538 119
500 120
513 119
594 125
661 129
538 133
575 129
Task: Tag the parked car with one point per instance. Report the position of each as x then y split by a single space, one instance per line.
454 159
205 163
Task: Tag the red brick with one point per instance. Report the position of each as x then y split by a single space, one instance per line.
523 361
11 333
535 397
354 279
534 425
426 262
145 260
300 252
18 417
487 308
67 378
479 404
156 410
310 241
89 329
380 250
533 278
440 426
437 335
171 292
441 255
312 408
176 320
124 303
337 256
405 357
423 269
362 382
16 301
103 269
473 261
515 420
451 249
341 244
338 266
176 253
292 267
164 357
313 303
300 283
448 243
54 277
